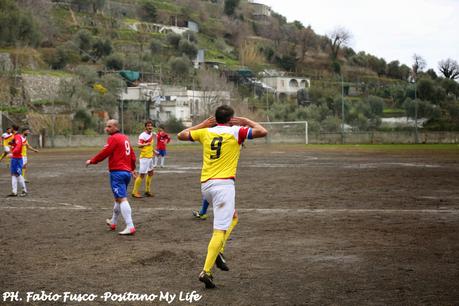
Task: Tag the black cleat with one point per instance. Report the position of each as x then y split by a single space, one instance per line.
23 194
207 279
221 262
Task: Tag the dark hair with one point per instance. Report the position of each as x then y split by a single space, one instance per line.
223 114
161 126
25 129
148 122
15 127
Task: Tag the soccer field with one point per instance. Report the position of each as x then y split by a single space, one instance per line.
351 225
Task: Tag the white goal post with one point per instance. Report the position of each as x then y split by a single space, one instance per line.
287 131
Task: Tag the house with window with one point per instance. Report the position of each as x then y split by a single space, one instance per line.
286 85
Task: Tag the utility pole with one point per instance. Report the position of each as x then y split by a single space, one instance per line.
342 109
416 135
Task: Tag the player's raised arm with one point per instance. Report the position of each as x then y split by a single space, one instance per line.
258 130
185 134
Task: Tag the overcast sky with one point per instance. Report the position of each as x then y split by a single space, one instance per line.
392 29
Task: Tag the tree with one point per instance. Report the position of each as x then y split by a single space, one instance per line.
83 40
149 11
230 7
173 39
418 65
114 61
338 38
433 75
102 47
215 91
306 40
393 70
188 48
405 72
16 26
95 5
180 66
155 47
449 68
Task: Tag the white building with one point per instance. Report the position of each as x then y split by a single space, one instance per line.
176 101
284 85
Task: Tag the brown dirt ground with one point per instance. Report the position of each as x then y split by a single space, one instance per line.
317 226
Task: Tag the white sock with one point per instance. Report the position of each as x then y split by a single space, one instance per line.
14 183
162 161
156 161
126 213
116 213
22 183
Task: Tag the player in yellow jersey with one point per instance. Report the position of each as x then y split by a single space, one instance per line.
7 137
145 143
221 138
25 146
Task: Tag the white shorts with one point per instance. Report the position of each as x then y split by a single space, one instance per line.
6 149
221 195
24 161
145 165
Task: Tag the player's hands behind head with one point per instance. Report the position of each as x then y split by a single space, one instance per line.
209 122
241 121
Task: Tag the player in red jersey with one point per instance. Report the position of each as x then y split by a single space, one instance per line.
16 164
162 139
121 164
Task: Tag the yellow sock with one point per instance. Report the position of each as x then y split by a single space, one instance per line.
137 184
214 247
148 183
228 232
24 170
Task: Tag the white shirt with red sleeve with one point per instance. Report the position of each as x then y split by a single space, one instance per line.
121 156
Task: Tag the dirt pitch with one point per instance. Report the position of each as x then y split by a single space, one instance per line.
318 225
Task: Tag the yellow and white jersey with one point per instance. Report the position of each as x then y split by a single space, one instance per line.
7 137
147 151
221 147
24 146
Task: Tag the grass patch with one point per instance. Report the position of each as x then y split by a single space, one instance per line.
55 73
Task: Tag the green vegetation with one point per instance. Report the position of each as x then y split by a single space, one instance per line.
97 35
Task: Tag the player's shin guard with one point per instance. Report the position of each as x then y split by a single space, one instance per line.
137 184
126 213
22 183
148 183
162 161
228 232
116 213
213 249
14 184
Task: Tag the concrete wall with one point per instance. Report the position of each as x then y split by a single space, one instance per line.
365 138
75 141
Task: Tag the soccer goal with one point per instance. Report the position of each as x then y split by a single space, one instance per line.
287 132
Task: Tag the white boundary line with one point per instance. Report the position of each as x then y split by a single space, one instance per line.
69 206
64 206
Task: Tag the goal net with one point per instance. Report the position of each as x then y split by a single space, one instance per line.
287 132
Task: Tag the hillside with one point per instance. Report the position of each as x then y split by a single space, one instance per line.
92 39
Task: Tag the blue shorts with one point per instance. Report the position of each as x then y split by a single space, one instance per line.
162 152
119 180
16 166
